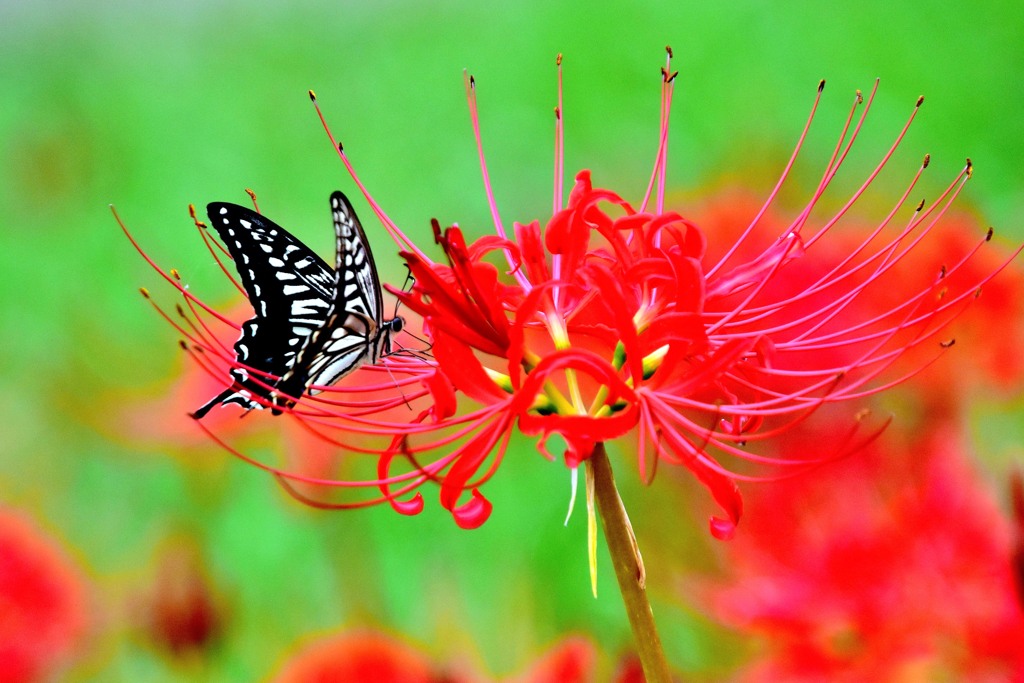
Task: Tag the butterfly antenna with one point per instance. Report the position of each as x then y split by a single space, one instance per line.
406 286
410 279
427 345
406 352
252 196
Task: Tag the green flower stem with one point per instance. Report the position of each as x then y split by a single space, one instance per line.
628 569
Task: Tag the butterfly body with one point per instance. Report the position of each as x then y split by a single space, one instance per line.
312 324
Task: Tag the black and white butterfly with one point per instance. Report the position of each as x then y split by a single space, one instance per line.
313 325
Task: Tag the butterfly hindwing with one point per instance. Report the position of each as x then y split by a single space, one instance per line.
358 286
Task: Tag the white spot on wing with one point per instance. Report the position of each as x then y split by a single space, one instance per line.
302 307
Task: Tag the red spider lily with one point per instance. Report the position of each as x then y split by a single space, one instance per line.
42 603
904 574
611 321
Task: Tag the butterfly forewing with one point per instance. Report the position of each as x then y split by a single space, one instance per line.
289 287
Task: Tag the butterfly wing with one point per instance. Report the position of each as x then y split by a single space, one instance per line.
358 286
290 288
354 319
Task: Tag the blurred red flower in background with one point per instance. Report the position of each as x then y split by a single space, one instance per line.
43 615
571 660
993 361
165 421
180 612
359 657
1017 503
894 565
375 657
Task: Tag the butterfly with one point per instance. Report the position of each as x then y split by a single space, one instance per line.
313 324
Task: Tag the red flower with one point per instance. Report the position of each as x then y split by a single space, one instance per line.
42 603
615 322
1017 503
892 565
611 320
359 658
569 661
180 612
372 657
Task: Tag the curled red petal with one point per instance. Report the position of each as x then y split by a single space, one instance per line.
443 403
474 512
410 507
726 493
468 460
722 529
632 223
689 283
488 243
582 187
691 241
532 250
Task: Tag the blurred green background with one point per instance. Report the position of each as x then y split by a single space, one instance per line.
151 107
